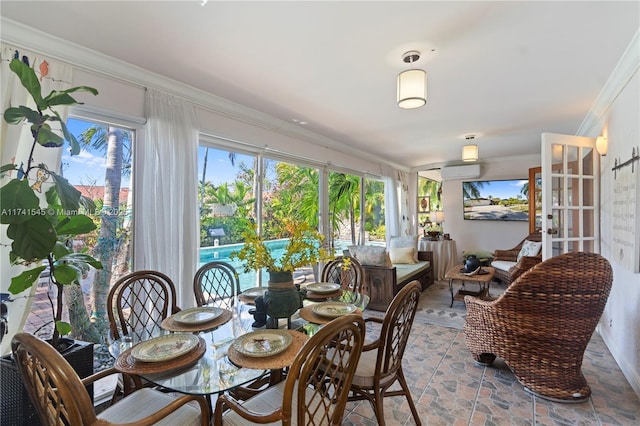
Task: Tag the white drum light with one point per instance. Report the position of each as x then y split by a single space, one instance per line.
412 84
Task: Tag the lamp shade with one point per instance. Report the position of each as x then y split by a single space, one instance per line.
470 153
437 216
412 88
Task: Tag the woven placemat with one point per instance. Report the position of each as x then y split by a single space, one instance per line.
171 324
126 363
308 314
281 360
312 295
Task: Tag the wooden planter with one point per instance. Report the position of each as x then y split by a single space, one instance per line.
15 406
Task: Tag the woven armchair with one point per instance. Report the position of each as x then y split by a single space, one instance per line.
542 323
520 266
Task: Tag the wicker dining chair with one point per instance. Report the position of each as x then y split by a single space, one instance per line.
317 384
140 301
380 365
61 398
346 271
542 323
216 283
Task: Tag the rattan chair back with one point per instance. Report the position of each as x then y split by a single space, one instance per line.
140 301
216 283
53 385
389 350
346 271
318 380
542 323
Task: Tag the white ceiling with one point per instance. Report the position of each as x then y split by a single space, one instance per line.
505 71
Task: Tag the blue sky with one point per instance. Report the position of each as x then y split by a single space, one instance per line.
502 188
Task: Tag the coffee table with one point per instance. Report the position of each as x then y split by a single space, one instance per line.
483 279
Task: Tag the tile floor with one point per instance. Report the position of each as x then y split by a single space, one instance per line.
449 389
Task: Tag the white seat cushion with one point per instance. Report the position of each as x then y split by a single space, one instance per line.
503 265
145 402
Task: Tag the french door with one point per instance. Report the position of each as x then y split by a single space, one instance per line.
570 195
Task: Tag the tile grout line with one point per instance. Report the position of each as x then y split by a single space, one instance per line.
477 397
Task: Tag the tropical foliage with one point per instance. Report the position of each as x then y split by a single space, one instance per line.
304 247
45 234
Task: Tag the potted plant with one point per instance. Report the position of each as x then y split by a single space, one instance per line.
305 247
433 230
42 209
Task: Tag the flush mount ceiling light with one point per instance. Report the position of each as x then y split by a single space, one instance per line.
470 152
412 84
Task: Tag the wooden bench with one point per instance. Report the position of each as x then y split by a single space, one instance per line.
382 283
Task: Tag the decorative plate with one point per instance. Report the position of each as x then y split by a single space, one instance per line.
333 309
164 348
323 288
198 315
263 343
254 292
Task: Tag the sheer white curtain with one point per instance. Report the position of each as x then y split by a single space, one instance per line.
166 212
391 202
15 145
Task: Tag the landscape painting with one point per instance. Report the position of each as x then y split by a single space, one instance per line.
503 200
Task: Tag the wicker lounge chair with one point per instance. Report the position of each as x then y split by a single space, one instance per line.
542 323
508 267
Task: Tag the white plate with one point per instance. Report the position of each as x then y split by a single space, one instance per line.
254 292
164 348
263 343
198 315
323 288
333 309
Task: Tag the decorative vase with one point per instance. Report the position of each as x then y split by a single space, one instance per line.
282 299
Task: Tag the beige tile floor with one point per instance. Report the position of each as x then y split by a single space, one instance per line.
449 389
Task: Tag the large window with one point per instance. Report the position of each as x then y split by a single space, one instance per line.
102 172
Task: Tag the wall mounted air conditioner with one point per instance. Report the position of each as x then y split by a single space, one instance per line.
471 171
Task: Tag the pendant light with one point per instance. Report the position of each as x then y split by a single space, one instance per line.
412 84
470 152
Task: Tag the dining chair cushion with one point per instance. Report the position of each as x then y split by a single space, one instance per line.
366 369
145 402
269 400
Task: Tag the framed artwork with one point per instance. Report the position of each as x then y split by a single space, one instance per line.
424 204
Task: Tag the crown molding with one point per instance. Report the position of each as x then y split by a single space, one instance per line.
15 33
624 71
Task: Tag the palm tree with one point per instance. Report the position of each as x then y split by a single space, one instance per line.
113 142
344 197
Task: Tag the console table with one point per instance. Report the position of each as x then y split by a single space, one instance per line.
444 255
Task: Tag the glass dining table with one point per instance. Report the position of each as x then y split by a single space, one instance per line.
213 372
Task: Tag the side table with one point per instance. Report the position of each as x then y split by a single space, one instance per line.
444 255
483 280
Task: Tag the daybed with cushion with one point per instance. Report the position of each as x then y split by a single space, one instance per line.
386 272
510 264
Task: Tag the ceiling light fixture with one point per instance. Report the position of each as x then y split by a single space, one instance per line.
412 84
470 152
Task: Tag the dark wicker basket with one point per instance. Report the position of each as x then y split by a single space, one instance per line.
15 406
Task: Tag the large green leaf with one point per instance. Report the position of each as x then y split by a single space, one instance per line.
17 114
62 97
73 142
66 274
69 196
81 258
75 225
63 327
29 80
18 202
25 280
32 240
60 250
47 137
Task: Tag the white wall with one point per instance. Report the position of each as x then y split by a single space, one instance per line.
485 234
620 323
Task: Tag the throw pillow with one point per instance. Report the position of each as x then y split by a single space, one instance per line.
402 254
370 255
529 248
405 241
